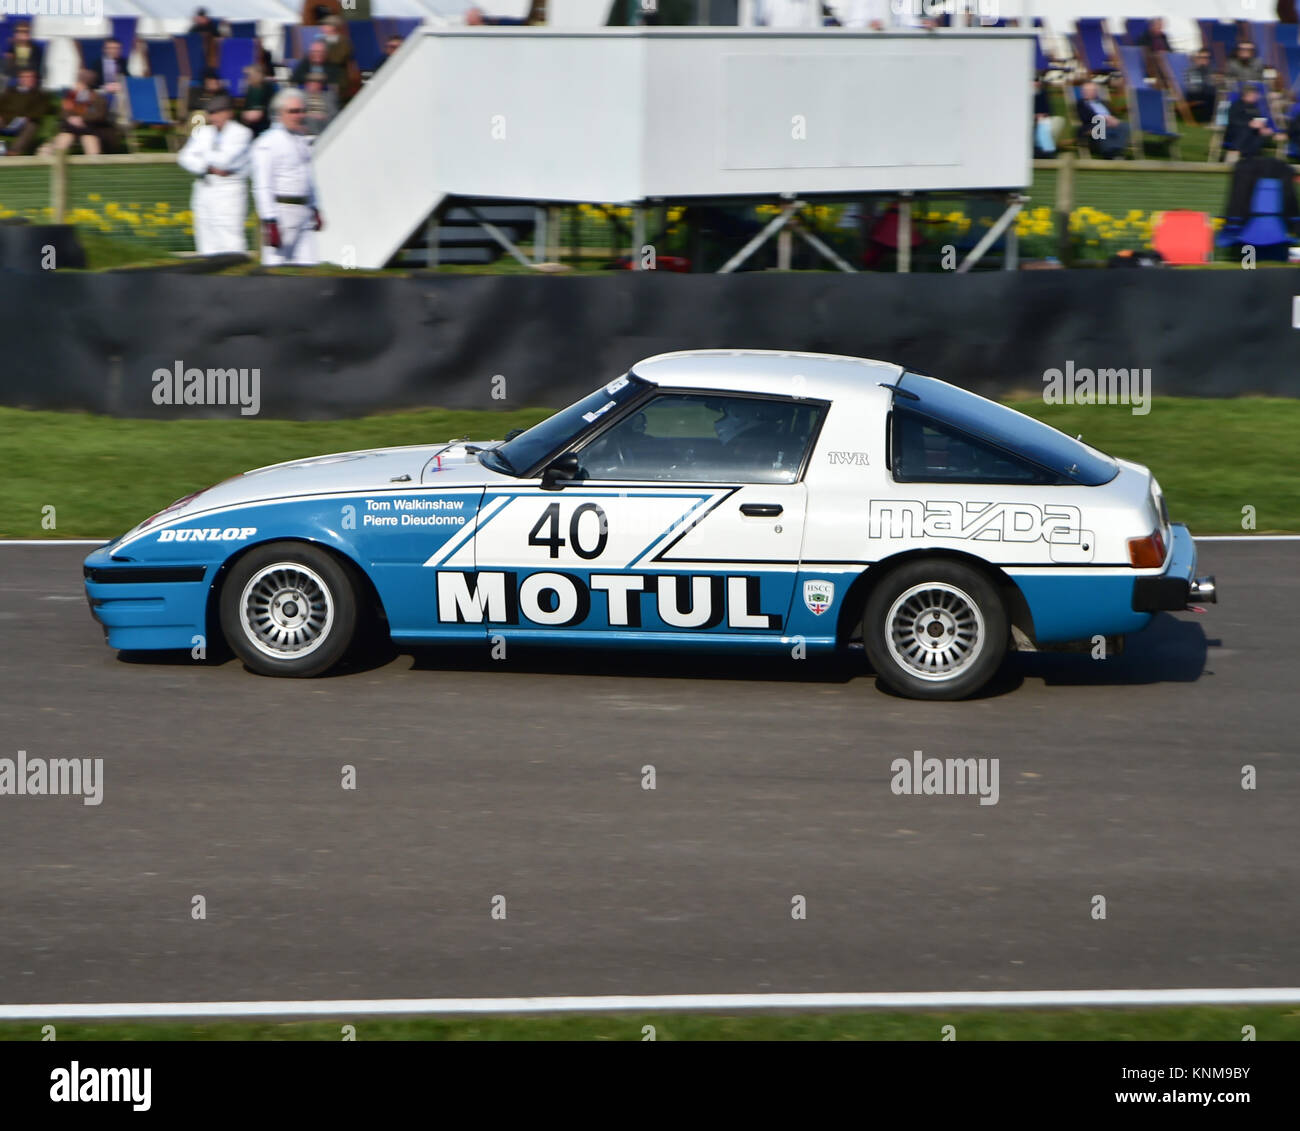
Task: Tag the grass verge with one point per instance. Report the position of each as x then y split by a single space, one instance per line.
103 475
1192 1023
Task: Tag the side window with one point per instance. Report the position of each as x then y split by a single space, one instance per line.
699 437
925 450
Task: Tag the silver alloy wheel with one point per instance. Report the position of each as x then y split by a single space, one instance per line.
287 610
934 631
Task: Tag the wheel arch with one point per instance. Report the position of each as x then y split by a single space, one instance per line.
849 625
368 600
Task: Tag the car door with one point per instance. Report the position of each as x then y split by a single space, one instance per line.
684 521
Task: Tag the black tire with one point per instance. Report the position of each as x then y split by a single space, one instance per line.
289 609
952 660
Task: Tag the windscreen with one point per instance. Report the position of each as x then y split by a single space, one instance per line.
556 434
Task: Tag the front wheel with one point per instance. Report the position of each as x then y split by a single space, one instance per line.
935 629
289 609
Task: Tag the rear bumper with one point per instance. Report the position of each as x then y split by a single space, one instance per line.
1178 586
147 607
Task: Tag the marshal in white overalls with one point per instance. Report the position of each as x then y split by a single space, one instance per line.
284 190
219 202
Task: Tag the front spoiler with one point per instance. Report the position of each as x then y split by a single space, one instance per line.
147 607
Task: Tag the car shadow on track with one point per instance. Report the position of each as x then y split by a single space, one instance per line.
538 660
1169 650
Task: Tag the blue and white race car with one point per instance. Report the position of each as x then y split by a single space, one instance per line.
713 499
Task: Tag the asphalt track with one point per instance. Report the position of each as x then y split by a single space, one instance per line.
522 778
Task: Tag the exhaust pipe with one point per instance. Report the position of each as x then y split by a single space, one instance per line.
1203 589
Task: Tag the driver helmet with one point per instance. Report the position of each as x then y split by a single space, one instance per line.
741 415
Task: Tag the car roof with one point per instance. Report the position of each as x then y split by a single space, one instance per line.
823 376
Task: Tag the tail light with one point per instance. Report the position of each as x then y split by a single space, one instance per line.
1148 552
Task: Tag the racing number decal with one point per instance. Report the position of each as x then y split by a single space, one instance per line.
550 517
535 562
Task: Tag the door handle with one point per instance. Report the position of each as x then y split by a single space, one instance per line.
761 510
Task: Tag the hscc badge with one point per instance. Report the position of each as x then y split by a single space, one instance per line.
818 596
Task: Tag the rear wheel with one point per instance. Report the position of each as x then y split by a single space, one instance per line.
935 629
289 609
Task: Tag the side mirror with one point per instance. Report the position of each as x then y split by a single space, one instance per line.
512 434
563 471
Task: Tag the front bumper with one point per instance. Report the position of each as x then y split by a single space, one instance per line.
1178 586
146 607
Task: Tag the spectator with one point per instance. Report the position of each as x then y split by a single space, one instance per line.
213 87
1046 127
1099 128
338 51
1154 38
205 25
391 44
218 155
1200 90
111 70
1293 133
1243 66
258 92
317 63
315 12
883 235
23 53
22 110
338 47
320 105
85 117
284 189
1248 129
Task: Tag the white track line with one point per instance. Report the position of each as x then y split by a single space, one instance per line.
988 999
52 542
